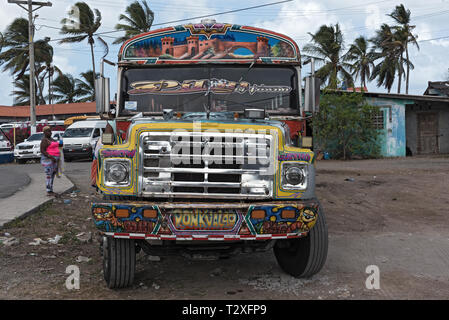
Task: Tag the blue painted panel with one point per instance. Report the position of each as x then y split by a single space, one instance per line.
392 137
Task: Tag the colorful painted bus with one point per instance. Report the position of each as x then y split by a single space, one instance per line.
203 154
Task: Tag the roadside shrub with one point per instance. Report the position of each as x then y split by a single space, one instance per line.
343 127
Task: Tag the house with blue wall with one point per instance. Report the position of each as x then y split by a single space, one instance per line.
411 124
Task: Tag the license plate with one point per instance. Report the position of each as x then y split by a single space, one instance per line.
26 152
204 219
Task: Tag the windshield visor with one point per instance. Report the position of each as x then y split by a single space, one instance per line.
217 88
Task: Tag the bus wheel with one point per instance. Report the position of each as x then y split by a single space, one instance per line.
119 262
304 257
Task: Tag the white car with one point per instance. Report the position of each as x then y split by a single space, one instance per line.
5 145
81 138
6 154
31 147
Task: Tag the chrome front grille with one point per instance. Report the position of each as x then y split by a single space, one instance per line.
25 147
207 164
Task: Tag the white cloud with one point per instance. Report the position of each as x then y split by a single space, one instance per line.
64 64
294 19
373 19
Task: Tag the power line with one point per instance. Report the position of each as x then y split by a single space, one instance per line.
211 15
439 38
265 5
192 18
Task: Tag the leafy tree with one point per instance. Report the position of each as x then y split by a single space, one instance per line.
362 59
138 19
88 23
343 126
327 46
21 91
86 86
1 41
388 48
65 89
405 35
16 56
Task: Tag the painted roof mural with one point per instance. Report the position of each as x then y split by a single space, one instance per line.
208 42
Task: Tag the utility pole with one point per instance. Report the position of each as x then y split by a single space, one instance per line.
29 8
312 67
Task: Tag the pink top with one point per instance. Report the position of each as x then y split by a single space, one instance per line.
53 149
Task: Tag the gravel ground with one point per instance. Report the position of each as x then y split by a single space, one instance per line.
391 213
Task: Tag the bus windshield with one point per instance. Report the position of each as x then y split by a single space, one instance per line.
214 87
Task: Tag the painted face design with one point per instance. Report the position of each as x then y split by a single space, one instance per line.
308 216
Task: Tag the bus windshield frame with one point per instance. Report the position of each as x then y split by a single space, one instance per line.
208 87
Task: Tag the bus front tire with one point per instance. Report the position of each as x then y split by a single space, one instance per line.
304 257
119 262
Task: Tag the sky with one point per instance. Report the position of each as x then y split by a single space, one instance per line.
295 19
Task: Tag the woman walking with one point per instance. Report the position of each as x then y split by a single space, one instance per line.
49 159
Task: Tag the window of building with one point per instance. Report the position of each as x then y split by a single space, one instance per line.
377 118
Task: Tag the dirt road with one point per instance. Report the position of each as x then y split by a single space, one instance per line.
391 213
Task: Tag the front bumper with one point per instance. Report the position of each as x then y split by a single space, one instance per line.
206 221
77 152
27 154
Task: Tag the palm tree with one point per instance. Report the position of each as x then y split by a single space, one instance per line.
327 46
65 89
139 20
21 91
385 73
384 50
1 41
405 33
16 56
388 47
88 23
86 86
363 60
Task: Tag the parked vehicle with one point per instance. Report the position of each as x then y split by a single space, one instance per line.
69 121
208 157
31 147
80 139
6 152
17 132
5 144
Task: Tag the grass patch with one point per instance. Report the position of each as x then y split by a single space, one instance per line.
69 238
51 212
16 223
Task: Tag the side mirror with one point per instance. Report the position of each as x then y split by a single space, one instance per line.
312 94
107 138
102 98
305 142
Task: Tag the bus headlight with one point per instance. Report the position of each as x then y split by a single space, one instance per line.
294 176
116 172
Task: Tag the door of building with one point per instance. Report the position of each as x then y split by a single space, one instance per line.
428 133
